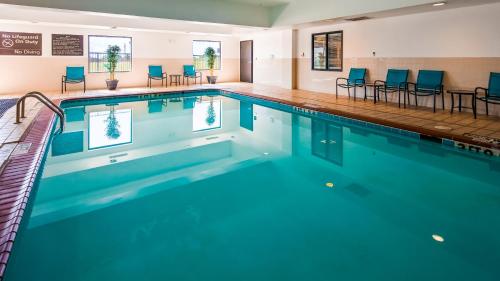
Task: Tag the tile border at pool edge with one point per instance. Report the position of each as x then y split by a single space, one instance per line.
21 171
445 138
18 178
461 142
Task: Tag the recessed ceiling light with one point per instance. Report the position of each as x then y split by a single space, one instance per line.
438 238
439 4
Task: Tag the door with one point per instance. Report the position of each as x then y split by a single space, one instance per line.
246 61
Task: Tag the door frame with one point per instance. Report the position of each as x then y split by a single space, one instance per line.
251 55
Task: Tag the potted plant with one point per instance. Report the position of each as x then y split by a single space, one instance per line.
211 56
112 125
112 57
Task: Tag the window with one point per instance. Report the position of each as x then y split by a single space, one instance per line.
199 59
97 53
110 128
207 115
327 51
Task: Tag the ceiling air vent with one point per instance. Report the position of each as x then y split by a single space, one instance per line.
358 19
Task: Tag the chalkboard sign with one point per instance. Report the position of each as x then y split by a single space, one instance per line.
20 44
67 45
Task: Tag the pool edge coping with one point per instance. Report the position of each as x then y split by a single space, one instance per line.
25 167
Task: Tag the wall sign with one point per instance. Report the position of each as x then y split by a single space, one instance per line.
67 45
20 44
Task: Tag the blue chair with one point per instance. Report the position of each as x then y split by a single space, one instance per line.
429 83
74 75
156 73
491 94
190 72
356 79
395 81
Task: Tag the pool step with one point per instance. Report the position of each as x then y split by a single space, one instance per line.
75 205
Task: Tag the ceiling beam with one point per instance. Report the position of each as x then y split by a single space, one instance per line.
214 11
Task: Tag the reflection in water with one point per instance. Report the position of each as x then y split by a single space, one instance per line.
207 115
271 193
211 113
112 126
109 128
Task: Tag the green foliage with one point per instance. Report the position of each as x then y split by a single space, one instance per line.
210 114
112 57
112 126
211 56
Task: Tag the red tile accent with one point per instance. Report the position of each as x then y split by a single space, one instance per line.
17 181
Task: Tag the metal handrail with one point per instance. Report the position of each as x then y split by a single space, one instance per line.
20 105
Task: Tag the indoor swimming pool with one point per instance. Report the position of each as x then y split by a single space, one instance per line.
218 186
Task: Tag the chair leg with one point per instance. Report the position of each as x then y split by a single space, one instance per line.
399 98
65 88
474 105
348 93
416 101
442 100
434 104
355 93
453 103
84 86
62 83
487 113
336 90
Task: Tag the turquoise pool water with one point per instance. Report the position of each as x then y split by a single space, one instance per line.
214 187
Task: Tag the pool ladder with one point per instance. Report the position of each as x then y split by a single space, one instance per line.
43 99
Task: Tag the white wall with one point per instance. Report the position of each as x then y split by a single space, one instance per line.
463 32
272 57
24 73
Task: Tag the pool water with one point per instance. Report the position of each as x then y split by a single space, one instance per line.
210 186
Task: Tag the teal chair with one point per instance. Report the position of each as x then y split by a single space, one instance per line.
356 79
74 75
156 73
429 83
491 94
191 73
395 81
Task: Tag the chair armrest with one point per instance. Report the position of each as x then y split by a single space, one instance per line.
408 84
341 78
381 82
481 89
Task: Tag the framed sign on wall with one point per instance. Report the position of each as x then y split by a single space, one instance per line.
20 44
67 45
327 51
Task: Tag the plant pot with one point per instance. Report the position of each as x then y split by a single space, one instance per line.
112 84
211 79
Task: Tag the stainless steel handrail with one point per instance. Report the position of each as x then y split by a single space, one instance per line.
20 105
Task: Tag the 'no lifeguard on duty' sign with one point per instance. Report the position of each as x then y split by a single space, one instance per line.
20 44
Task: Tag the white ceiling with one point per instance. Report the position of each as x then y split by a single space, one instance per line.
82 19
211 16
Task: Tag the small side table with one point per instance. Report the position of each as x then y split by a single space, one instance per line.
376 88
460 92
176 79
